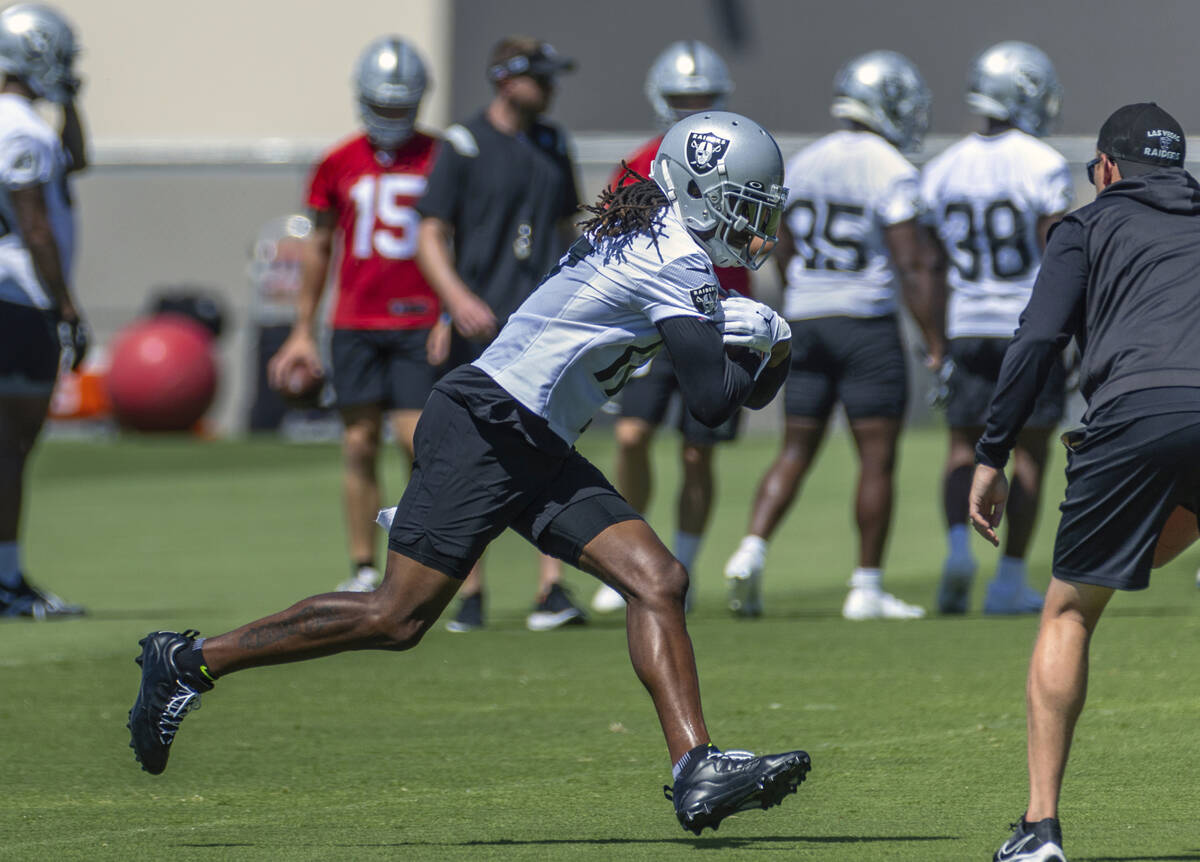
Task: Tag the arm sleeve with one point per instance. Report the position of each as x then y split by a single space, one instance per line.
446 183
25 162
901 200
1057 191
1054 314
685 286
321 191
713 385
767 385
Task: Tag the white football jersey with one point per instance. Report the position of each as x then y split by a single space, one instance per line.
30 155
844 191
576 340
984 195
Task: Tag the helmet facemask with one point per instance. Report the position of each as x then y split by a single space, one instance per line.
387 126
748 221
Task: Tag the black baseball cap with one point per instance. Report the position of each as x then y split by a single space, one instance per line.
1145 134
523 55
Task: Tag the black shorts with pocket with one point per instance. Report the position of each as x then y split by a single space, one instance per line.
1123 482
977 368
484 463
29 350
387 367
647 397
858 361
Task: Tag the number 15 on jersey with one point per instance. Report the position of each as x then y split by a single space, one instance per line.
384 221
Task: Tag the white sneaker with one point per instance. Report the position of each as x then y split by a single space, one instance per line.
365 580
954 590
1012 597
607 600
863 603
743 576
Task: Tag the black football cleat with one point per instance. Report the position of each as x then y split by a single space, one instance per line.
163 698
26 600
1033 842
711 788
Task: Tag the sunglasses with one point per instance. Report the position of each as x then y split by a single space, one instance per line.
1091 170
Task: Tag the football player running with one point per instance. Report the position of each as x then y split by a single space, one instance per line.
685 78
495 450
850 242
39 320
362 194
991 199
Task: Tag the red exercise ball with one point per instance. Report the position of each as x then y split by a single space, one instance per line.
162 377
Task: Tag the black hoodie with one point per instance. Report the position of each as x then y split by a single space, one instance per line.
1121 275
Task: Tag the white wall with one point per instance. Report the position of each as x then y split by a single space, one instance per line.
241 69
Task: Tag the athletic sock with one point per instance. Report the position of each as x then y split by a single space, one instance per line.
10 565
697 753
867 579
958 541
1011 570
192 666
687 548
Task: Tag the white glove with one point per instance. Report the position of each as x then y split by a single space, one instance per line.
752 324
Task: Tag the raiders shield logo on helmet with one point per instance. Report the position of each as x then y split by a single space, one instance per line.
704 150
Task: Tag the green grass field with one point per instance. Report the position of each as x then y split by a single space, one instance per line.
511 745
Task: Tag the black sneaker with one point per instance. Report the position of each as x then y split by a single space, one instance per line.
555 610
163 698
1033 842
26 600
712 787
470 615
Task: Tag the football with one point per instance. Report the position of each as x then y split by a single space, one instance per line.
302 388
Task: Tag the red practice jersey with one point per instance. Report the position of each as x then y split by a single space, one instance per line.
732 278
373 196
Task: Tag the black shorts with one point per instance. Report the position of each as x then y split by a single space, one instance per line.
976 370
1123 481
387 367
858 361
473 477
648 396
29 350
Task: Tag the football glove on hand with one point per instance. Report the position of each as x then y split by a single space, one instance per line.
74 336
752 324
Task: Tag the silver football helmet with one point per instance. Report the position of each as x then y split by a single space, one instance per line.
1016 81
687 68
884 91
723 175
38 46
389 81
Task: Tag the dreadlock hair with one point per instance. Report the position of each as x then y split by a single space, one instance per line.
626 210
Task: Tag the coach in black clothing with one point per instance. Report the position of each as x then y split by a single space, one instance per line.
1121 275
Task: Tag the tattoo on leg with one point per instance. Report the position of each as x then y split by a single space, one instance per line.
313 621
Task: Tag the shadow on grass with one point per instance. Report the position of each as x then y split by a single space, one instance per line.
1176 858
712 843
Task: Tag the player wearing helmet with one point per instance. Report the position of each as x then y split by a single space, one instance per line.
363 194
495 450
39 319
990 200
496 217
685 78
850 245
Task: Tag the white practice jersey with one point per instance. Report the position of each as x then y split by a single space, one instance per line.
844 191
30 155
576 340
984 196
